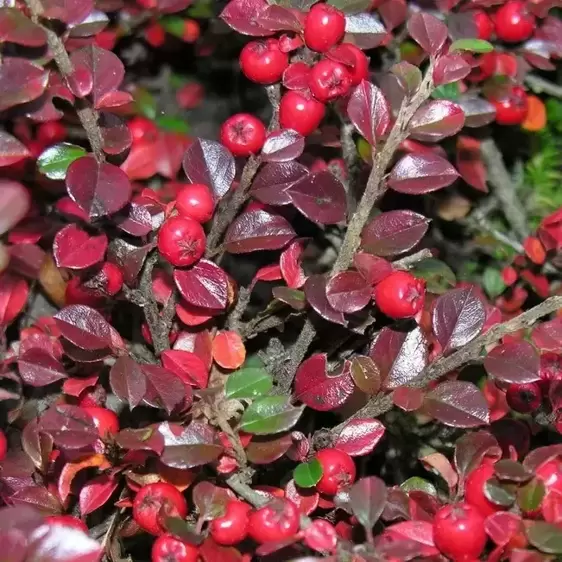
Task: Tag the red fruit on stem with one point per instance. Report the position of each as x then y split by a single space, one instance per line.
67 521
474 490
338 471
181 240
196 201
514 22
243 134
105 420
550 473
155 35
277 521
360 69
112 278
512 108
155 501
142 128
76 293
191 31
458 532
524 398
263 62
3 445
167 548
51 132
400 295
324 27
329 80
232 527
484 24
300 112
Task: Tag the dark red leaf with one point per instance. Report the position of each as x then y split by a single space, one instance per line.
408 75
367 498
369 111
243 16
408 399
128 381
164 388
359 437
393 13
348 292
513 362
129 258
273 181
13 297
74 248
280 18
548 335
306 499
70 426
268 449
15 27
96 492
38 497
144 439
170 149
290 264
471 448
436 120
296 76
66 11
115 133
21 81
187 366
428 31
205 285
39 368
477 111
373 268
470 164
450 68
84 327
283 145
200 343
315 291
210 500
364 30
11 150
51 542
420 532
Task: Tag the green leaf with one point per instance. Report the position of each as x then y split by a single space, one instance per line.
530 496
447 92
417 484
270 415
473 45
498 493
202 10
439 277
351 6
546 537
145 103
173 25
54 161
172 123
248 382
253 362
492 282
308 474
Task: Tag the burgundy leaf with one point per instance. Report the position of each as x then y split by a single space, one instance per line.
359 437
282 146
408 75
128 381
170 149
187 366
280 18
210 500
315 291
436 120
320 197
273 181
458 404
145 439
319 389
373 268
71 427
63 544
115 133
21 81
513 362
13 297
258 230
477 111
348 292
15 27
416 174
471 448
164 388
394 232
37 367
100 189
296 76
268 449
38 497
470 164
393 13
548 335
210 163
74 248
415 536
129 258
364 30
11 150
243 16
408 399
66 11
369 111
96 492
458 317
200 343
84 327
204 285
450 68
367 498
429 32
138 221
290 264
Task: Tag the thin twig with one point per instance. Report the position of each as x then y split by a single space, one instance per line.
541 86
408 261
233 438
274 96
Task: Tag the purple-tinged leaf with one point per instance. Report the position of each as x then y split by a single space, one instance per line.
471 448
450 68
129 258
144 439
364 30
265 450
416 174
70 426
210 500
436 120
477 111
100 189
84 327
348 292
283 145
408 399
138 221
462 25
38 497
96 492
315 292
188 366
37 367
296 76
243 16
258 230
128 381
408 76
290 264
204 285
429 32
457 404
393 13
67 11
273 181
394 232
11 150
367 498
458 317
320 197
91 25
373 268
63 544
210 163
322 390
548 335
513 362
280 18
74 248
470 164
359 437
369 111
115 133
21 81
164 389
15 27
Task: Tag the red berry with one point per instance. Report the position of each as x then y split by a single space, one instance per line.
329 80
105 420
338 471
277 521
514 22
196 201
142 128
263 62
400 295
76 293
191 31
503 64
550 473
51 132
324 27
109 279
155 501
474 490
243 134
484 24
155 35
551 366
300 112
458 532
190 95
359 69
67 521
167 548
512 108
181 240
232 527
524 398
3 445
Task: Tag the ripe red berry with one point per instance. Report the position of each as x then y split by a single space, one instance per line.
524 398
550 473
300 112
512 108
359 70
277 521
243 134
51 132
484 24
338 471
329 80
3 445
155 35
155 501
142 128
263 62
503 64
400 295
76 293
181 241
109 278
458 532
105 420
474 490
67 521
196 201
191 31
167 548
324 27
232 527
514 22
